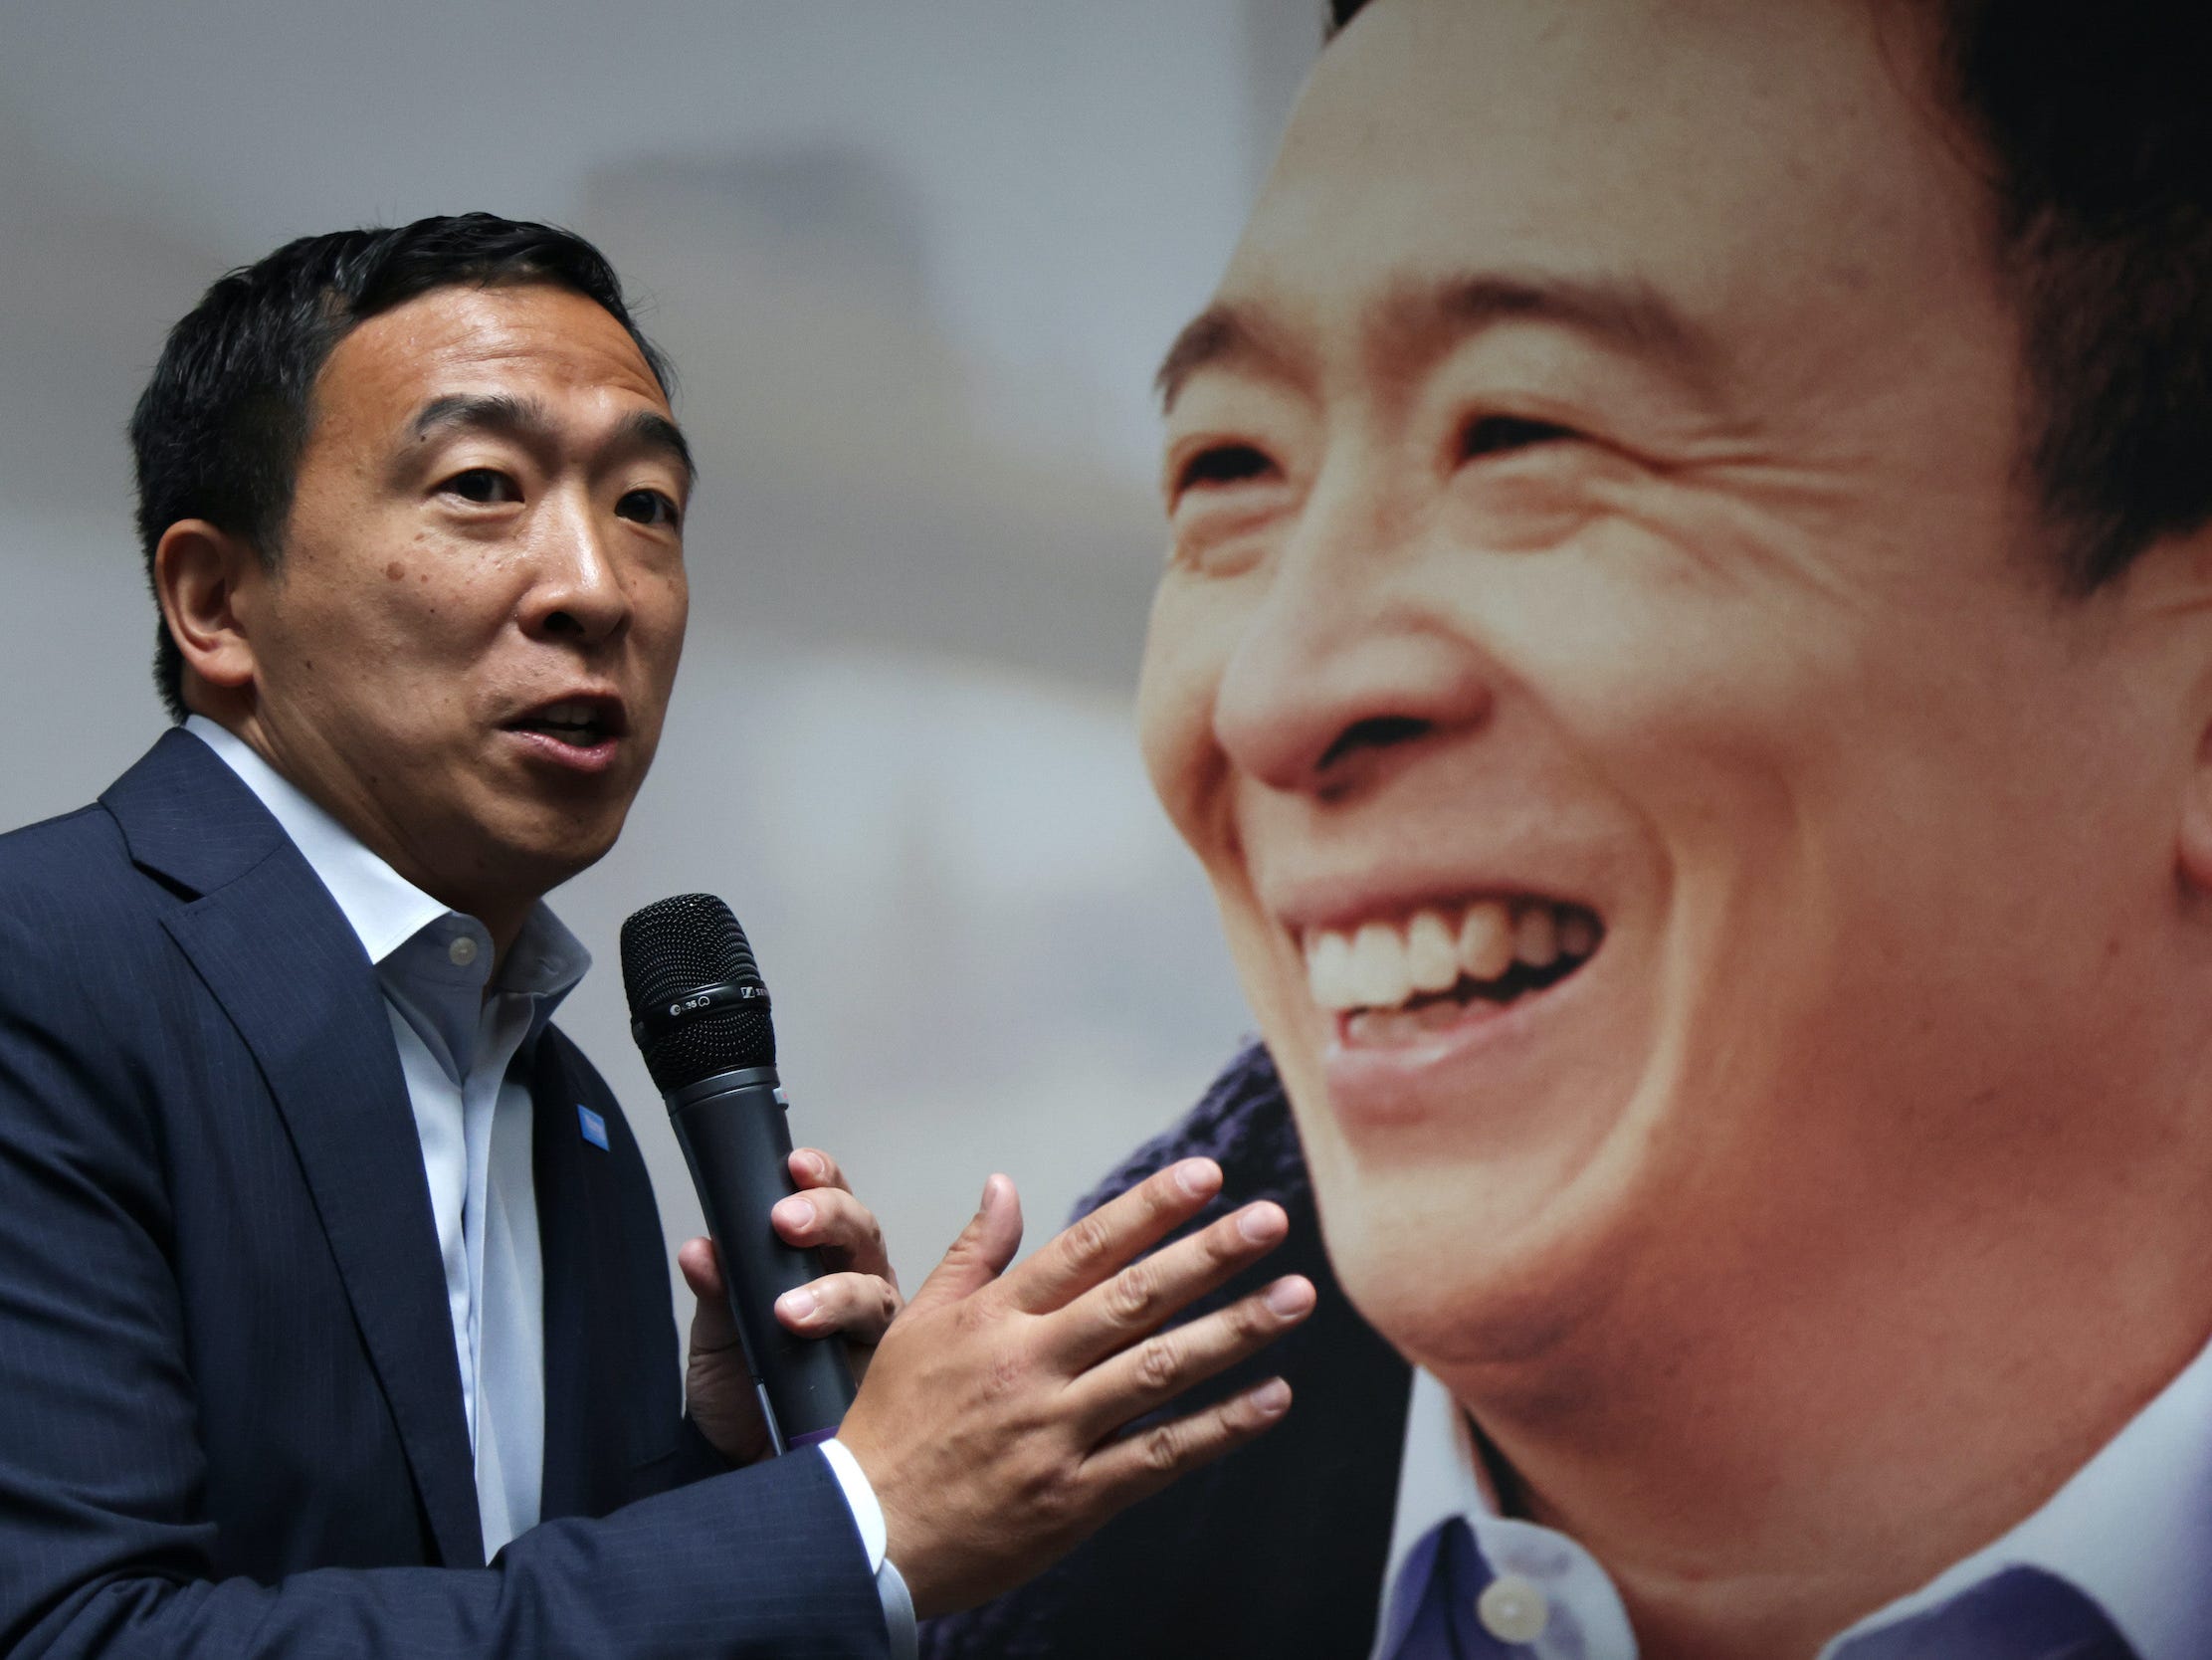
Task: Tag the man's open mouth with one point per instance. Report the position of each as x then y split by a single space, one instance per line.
580 722
1391 980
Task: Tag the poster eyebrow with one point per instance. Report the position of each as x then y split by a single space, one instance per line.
1417 319
1224 335
1628 314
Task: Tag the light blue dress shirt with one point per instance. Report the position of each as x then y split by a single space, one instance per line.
457 1034
2132 1531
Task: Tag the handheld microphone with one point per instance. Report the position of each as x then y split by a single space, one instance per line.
699 1013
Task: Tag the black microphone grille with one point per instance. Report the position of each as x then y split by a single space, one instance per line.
678 946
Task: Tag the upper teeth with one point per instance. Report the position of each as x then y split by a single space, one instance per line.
568 714
1382 964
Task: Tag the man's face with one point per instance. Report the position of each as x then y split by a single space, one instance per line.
1681 851
466 648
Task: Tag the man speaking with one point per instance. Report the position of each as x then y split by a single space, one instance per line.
333 1318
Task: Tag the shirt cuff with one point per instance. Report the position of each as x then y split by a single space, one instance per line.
867 1517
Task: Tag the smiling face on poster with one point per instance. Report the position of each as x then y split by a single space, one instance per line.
1701 868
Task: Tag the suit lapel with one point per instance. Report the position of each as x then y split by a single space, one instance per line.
615 1428
275 953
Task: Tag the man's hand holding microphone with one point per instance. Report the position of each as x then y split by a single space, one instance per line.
991 1418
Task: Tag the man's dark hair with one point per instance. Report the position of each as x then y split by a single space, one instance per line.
2094 127
220 428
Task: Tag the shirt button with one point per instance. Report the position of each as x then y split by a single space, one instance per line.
1512 1609
461 952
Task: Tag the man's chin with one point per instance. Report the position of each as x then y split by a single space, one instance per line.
550 863
1474 1276
515 864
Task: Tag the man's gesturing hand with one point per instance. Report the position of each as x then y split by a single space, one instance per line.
990 1426
857 1301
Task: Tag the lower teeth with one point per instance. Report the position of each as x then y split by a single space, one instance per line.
1384 1026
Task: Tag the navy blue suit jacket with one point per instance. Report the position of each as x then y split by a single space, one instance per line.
229 1411
1277 1552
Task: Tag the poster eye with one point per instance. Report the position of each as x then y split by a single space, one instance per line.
1223 464
1490 435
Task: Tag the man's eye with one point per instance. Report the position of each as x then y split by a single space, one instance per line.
650 506
1491 435
1224 464
482 485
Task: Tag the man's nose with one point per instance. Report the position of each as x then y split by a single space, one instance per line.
578 592
1347 666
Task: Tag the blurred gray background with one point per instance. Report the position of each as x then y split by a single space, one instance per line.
915 261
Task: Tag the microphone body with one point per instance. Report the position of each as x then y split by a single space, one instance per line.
701 1016
737 1143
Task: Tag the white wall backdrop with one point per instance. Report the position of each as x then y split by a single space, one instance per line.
914 263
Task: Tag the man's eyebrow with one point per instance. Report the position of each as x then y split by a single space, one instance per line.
527 418
648 430
498 412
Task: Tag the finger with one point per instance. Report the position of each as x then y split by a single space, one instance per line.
1093 1247
980 1255
860 1307
831 1220
812 1167
1148 1461
1146 1377
1140 1296
702 1268
713 1329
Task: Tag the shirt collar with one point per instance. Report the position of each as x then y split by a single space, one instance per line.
1441 1476
2132 1528
383 909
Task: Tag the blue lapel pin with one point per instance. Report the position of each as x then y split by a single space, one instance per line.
594 1127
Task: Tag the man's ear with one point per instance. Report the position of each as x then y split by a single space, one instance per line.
199 573
2194 843
2164 601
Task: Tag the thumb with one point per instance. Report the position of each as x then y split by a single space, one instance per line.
985 1246
700 1263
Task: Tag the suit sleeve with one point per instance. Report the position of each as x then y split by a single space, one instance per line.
106 1546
